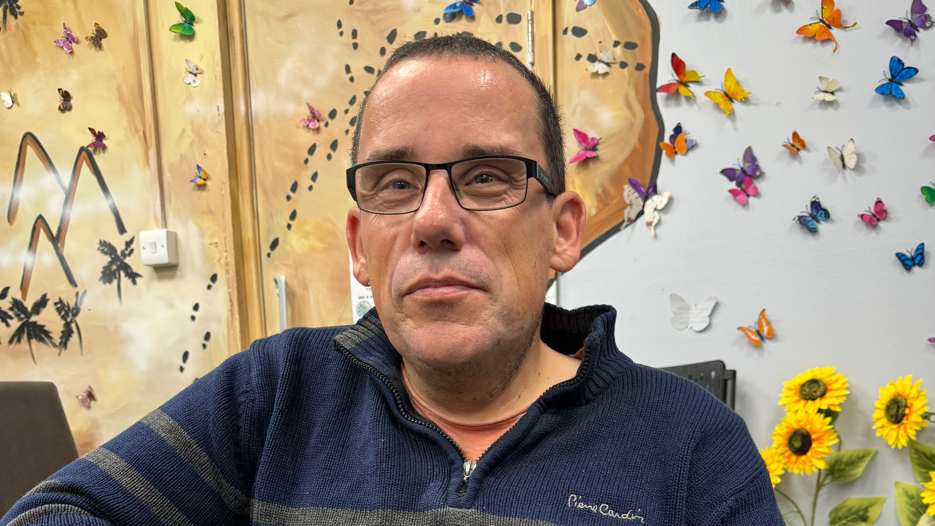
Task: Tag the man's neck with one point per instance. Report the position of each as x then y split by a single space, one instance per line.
492 392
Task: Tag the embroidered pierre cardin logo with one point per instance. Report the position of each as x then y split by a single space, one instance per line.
578 502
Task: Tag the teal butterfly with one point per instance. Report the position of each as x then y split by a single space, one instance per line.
915 260
184 27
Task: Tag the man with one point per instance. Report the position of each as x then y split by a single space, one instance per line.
459 399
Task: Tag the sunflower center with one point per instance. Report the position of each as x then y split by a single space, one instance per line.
800 441
813 389
896 409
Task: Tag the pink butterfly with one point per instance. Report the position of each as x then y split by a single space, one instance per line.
314 118
67 40
588 146
932 138
87 397
97 143
874 217
932 341
741 193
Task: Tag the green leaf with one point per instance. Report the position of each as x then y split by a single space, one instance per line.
186 13
909 505
857 511
923 461
926 520
849 465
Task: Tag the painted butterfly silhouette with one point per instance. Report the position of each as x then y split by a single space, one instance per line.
678 143
728 94
687 316
742 176
314 118
64 100
873 217
202 178
714 6
821 28
87 397
916 20
680 83
68 38
826 89
929 193
844 156
796 145
899 73
604 59
763 331
184 26
916 260
582 4
588 146
814 215
97 144
97 35
191 75
462 6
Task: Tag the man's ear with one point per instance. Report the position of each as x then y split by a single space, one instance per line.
568 214
356 246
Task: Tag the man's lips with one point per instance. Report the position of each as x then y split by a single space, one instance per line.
432 287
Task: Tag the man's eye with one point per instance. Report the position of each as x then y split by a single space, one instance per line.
484 178
400 185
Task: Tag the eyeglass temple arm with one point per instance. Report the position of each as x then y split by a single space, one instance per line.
544 180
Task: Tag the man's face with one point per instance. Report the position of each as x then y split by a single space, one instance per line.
454 286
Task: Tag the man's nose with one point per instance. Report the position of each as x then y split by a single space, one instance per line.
437 223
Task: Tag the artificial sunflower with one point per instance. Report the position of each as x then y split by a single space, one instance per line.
928 494
803 439
773 464
815 389
899 411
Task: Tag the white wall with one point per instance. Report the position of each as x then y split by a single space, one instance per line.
837 298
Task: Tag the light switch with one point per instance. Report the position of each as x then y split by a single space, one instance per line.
159 248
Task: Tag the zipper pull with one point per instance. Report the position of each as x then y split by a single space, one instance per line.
468 470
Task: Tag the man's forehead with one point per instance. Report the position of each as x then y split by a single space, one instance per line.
406 153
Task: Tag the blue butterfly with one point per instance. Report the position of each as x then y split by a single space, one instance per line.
917 259
898 74
813 216
464 6
711 5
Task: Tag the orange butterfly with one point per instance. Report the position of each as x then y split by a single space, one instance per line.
678 143
683 78
795 145
764 331
821 29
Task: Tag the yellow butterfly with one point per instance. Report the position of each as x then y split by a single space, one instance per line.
731 92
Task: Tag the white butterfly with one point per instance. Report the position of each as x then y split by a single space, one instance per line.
826 89
8 99
605 57
694 317
656 202
846 156
634 205
191 78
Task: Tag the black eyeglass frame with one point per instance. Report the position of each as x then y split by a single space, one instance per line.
533 171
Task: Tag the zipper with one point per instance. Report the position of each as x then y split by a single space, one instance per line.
468 470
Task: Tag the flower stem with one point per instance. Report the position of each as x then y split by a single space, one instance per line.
797 509
929 416
818 485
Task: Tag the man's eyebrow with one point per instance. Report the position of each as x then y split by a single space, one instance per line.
390 154
478 150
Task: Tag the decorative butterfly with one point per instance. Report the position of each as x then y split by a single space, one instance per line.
714 6
916 21
184 26
929 193
645 199
191 76
873 217
314 118
821 28
97 35
67 40
678 143
844 156
932 138
815 214
728 94
917 259
588 146
826 89
932 341
462 6
680 83
796 145
87 397
742 176
64 100
899 73
202 178
97 143
583 4
763 331
688 316
8 98
602 62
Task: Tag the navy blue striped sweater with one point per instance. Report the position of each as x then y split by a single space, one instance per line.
313 426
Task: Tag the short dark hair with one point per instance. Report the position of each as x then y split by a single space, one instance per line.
550 121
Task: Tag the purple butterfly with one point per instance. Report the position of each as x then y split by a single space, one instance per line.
750 168
644 193
68 38
916 20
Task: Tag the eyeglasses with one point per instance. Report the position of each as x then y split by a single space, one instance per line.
479 183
